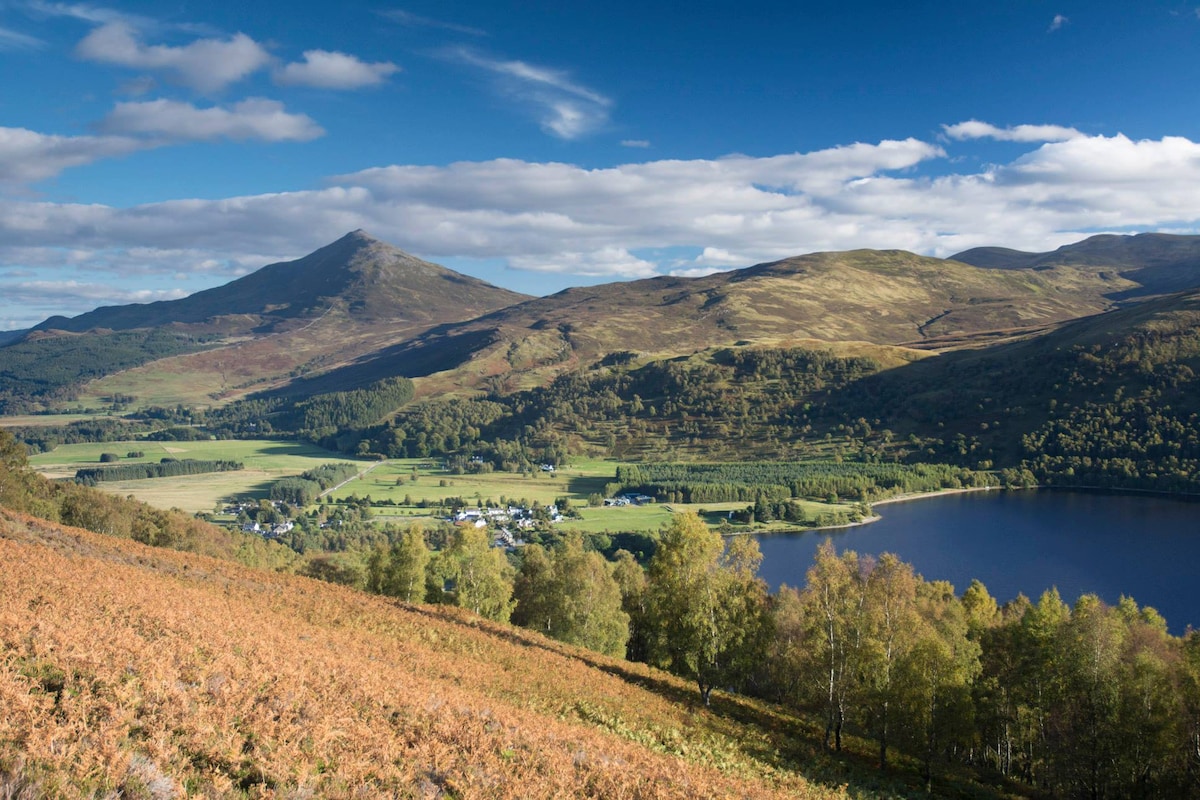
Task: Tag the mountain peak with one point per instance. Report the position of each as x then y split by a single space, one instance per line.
364 273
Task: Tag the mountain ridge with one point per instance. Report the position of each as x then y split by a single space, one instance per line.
358 310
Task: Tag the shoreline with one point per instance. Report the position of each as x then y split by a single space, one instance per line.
902 498
905 498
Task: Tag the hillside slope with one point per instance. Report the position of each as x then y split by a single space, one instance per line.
1158 262
153 673
881 297
352 297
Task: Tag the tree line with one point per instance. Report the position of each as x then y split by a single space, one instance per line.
167 468
1079 701
71 503
780 481
48 368
305 488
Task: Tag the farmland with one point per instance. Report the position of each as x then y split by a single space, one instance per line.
266 461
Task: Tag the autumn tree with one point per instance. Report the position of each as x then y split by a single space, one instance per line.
891 625
631 580
407 564
831 625
706 609
471 574
938 672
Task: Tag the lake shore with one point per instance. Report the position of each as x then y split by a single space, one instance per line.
904 498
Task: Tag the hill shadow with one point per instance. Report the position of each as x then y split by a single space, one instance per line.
436 350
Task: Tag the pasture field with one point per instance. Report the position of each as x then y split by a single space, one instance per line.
266 462
394 480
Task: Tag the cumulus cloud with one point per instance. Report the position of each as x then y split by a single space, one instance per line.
610 261
564 108
1058 22
324 69
207 65
27 156
974 129
103 293
569 223
255 118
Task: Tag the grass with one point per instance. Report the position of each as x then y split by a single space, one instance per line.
265 462
393 481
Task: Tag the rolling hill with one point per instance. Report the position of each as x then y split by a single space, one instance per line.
1159 263
881 297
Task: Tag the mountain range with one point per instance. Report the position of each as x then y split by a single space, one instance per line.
359 309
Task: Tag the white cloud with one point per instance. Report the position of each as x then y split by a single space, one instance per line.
27 156
14 40
1058 22
569 223
711 258
642 143
974 129
255 118
35 292
609 261
324 69
564 108
84 12
411 20
207 65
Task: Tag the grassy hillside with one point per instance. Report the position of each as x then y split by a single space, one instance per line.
880 297
1157 262
152 673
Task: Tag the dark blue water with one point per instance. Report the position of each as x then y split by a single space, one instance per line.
1026 542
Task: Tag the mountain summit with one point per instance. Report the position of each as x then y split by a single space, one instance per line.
371 279
349 299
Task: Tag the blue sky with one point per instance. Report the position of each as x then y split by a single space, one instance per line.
149 150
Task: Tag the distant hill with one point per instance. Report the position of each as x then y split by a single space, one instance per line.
881 297
359 310
140 672
354 296
1158 262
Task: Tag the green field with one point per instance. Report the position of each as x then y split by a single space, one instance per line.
266 461
396 487
393 481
